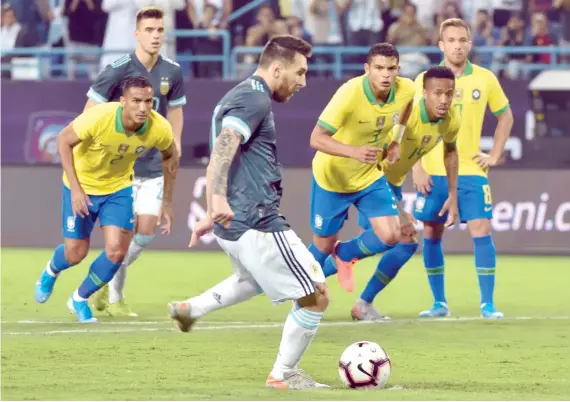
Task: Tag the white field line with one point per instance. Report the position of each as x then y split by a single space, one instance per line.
246 323
133 322
95 328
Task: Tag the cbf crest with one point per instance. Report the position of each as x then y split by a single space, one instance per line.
476 94
123 148
164 85
380 122
425 140
458 94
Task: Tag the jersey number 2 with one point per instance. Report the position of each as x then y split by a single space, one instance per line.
460 106
116 159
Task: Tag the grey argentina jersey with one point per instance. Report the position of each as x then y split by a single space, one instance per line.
167 83
254 180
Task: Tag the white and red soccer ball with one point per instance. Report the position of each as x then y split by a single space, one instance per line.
364 365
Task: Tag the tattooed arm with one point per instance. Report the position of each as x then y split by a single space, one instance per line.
451 161
227 144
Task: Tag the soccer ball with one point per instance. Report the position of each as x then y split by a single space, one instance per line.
364 365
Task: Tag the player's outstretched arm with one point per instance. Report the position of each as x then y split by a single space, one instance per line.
321 140
170 162
89 104
225 148
397 134
451 161
175 116
502 134
67 139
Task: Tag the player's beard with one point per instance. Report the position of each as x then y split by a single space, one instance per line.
282 94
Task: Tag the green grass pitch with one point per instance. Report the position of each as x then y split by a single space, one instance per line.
47 356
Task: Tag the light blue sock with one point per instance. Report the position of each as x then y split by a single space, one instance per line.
434 263
101 272
58 262
329 268
485 263
318 254
388 267
362 246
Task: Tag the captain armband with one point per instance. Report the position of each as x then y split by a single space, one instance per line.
398 133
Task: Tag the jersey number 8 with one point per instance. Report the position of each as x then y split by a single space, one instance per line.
487 192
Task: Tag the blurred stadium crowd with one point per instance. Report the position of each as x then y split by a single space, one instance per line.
108 24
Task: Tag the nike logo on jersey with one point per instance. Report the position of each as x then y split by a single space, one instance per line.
363 122
487 209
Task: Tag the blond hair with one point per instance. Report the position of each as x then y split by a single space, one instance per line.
456 23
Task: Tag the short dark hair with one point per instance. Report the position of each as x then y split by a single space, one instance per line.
409 4
382 49
283 47
149 12
137 81
7 7
438 72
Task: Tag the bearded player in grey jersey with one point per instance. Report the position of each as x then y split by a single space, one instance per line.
243 194
167 82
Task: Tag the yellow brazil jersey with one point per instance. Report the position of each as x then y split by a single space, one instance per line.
420 137
474 90
356 118
105 157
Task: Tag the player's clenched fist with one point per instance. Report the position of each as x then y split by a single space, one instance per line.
367 154
393 153
422 181
80 202
221 211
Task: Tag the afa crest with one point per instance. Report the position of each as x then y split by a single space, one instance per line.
458 94
164 85
380 122
315 267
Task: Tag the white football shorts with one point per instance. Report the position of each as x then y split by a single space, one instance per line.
147 195
278 262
